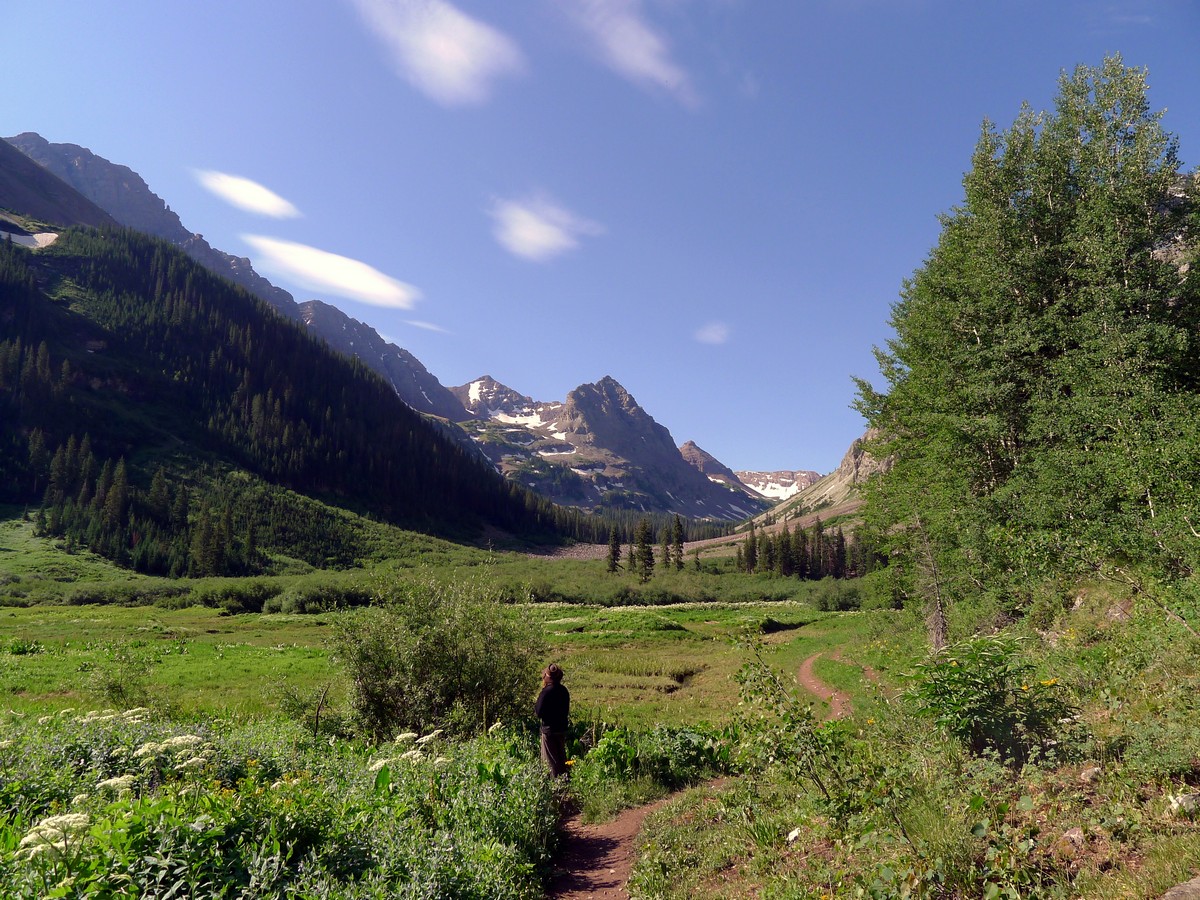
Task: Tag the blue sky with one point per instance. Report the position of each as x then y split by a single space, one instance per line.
713 201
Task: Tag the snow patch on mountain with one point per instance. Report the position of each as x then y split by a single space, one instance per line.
32 241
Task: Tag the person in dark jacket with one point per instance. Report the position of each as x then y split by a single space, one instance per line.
553 708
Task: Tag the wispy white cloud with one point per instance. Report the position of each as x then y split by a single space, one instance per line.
628 44
246 194
712 333
538 228
428 326
440 50
320 270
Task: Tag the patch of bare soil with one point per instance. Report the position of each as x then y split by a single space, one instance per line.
575 551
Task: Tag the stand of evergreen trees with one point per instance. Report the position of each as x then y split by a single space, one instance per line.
809 554
148 356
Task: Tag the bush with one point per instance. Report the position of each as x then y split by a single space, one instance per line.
988 697
835 595
238 597
319 597
435 654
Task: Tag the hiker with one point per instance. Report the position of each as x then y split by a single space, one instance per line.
553 708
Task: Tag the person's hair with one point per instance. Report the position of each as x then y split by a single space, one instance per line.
554 672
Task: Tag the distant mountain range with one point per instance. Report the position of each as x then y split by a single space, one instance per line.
596 449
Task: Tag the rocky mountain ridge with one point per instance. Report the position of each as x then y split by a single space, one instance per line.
839 492
599 448
26 188
404 372
712 468
779 485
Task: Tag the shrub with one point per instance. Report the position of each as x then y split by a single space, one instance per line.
319 597
985 694
238 597
436 654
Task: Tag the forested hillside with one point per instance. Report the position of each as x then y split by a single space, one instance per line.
1041 401
128 372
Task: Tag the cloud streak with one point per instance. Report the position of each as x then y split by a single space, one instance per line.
538 229
246 194
428 326
627 43
449 56
320 270
712 333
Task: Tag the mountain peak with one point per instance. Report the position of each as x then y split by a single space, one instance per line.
486 397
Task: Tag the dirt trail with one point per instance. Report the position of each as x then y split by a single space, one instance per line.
596 859
839 701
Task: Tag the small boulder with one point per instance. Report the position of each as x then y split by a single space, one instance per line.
1189 890
1184 805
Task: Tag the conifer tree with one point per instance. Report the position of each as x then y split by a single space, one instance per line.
1041 403
614 549
644 539
677 539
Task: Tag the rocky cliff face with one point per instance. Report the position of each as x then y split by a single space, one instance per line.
120 193
599 448
839 487
487 398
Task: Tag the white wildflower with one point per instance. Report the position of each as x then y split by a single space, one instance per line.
182 740
380 763
496 726
4 745
442 761
148 749
117 784
44 719
414 755
406 737
196 762
51 834
80 799
432 736
63 713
